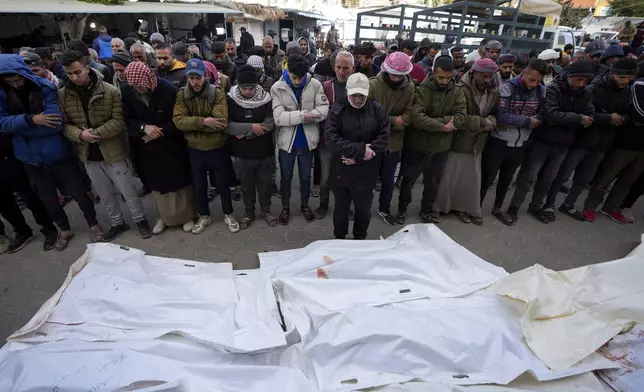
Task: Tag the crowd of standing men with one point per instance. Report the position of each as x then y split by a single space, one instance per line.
194 122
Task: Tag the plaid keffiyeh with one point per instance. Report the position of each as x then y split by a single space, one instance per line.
138 74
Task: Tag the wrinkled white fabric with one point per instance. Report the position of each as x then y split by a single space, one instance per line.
570 314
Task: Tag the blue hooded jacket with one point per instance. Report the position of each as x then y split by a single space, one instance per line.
33 144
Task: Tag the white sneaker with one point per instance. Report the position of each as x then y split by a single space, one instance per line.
202 223
159 227
4 243
233 226
628 215
187 227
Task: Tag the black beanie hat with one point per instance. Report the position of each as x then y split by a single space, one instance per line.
444 62
581 68
624 66
247 76
122 57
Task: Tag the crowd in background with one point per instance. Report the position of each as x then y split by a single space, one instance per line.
216 119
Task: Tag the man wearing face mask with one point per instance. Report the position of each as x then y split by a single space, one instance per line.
335 90
169 68
299 104
520 111
550 56
357 132
568 110
163 165
438 110
624 162
506 65
250 143
393 89
461 182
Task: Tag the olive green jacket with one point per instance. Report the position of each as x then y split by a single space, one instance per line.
470 137
397 103
190 110
433 109
105 118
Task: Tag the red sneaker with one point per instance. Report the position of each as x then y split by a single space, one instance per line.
616 215
589 215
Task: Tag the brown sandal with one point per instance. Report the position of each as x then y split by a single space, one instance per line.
63 241
270 219
463 216
246 221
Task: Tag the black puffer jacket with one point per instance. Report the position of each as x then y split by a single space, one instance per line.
607 99
630 136
347 132
562 114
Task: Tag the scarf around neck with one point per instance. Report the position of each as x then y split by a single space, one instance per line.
260 97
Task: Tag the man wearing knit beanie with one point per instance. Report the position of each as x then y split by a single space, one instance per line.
250 143
394 90
506 65
258 64
612 54
438 110
155 38
624 162
459 190
568 110
120 60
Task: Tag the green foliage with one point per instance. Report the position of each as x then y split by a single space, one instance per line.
626 8
106 2
572 16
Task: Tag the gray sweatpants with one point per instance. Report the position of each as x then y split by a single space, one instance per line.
110 179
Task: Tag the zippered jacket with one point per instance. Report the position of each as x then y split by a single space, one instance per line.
516 105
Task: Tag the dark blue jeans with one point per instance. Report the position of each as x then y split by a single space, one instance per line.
387 179
304 159
584 164
218 163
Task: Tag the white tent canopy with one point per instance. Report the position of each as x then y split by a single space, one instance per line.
75 6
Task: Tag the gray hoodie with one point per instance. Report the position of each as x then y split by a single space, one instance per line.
309 56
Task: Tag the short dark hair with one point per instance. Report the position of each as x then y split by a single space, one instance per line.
72 56
163 45
331 46
44 53
435 45
230 41
484 42
444 62
78 46
456 49
569 46
367 49
408 44
540 66
218 47
298 65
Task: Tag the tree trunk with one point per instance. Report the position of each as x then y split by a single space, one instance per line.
72 24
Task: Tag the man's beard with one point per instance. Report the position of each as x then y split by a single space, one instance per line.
506 75
441 87
483 86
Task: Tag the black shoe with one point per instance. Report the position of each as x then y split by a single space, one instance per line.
401 216
114 232
571 212
352 216
308 214
19 242
513 213
51 236
430 217
505 218
144 229
538 213
388 218
284 217
320 213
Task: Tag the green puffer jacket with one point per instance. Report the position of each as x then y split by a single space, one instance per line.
470 137
190 110
105 117
433 109
397 103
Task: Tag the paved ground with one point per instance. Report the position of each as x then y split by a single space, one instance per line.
31 276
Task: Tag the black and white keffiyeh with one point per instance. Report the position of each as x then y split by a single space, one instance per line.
259 98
